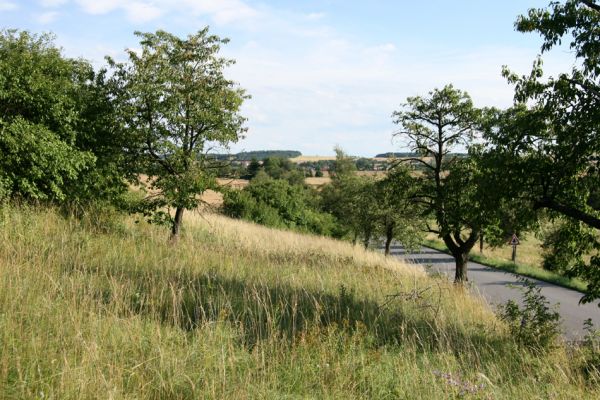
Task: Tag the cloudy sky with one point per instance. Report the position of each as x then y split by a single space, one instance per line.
320 72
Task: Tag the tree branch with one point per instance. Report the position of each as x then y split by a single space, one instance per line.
418 160
591 5
569 211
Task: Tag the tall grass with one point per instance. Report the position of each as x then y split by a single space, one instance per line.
234 310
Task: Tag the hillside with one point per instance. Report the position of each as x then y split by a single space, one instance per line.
108 308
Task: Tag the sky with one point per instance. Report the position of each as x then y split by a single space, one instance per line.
321 73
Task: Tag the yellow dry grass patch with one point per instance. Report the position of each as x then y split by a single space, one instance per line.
251 237
301 159
317 181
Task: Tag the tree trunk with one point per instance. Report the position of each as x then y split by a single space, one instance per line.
481 244
460 250
366 240
461 261
389 236
177 223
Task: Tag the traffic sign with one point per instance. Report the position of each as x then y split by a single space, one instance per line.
515 240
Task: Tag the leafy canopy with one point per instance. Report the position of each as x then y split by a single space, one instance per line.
177 104
40 115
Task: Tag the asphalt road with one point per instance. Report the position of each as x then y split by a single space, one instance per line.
493 285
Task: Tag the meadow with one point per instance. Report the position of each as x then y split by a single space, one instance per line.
105 306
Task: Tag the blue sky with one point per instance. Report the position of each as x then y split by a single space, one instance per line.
320 73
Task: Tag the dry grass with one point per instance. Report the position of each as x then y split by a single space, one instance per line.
317 181
301 159
529 251
107 308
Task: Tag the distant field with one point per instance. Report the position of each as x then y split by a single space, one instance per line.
314 181
376 174
233 183
302 159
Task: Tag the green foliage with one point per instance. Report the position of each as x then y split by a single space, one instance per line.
398 217
241 204
59 138
548 143
449 188
277 203
40 115
344 165
35 163
262 154
318 172
350 198
534 324
176 103
565 244
590 350
276 168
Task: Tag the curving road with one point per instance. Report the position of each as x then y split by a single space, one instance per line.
492 284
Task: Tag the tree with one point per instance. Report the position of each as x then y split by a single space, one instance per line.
398 217
176 103
348 200
39 115
549 142
343 165
447 189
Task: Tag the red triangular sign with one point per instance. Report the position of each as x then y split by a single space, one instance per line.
515 240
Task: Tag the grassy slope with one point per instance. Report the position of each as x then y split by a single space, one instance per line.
234 310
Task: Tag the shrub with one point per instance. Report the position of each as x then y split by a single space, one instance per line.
534 325
590 350
277 203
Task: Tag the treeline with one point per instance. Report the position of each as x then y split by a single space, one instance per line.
257 155
359 208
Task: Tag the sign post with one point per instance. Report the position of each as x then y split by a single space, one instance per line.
514 241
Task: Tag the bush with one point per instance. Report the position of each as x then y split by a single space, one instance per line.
534 325
590 350
277 203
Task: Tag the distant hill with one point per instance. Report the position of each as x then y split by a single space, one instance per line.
262 154
396 155
259 155
410 154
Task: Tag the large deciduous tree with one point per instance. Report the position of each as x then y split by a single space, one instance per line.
549 142
59 138
434 127
176 103
39 115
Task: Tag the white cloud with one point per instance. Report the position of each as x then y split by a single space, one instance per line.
7 6
53 3
315 16
101 7
142 12
220 11
47 17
